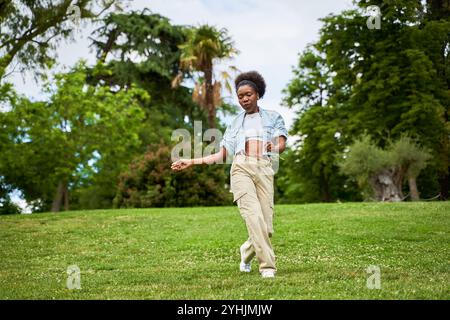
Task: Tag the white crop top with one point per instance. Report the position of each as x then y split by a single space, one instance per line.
253 127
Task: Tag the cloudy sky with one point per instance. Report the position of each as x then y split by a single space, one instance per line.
269 35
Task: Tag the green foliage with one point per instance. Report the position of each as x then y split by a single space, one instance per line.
142 48
407 153
31 30
312 174
310 84
386 82
146 43
99 118
6 205
204 47
204 44
59 140
365 160
150 182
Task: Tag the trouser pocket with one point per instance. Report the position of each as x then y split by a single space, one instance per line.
237 195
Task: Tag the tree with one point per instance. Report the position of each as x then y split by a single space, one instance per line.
407 154
312 166
392 76
30 30
7 98
55 144
142 48
387 82
385 170
204 46
435 39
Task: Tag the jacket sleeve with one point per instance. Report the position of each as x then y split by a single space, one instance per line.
280 127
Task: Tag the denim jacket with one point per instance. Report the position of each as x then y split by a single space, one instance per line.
234 137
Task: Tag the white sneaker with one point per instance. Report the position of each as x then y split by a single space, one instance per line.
244 267
268 274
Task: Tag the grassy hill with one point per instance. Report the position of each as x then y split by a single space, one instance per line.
323 251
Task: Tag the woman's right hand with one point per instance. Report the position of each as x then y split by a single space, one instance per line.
181 164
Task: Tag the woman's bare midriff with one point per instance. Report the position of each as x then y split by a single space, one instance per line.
254 148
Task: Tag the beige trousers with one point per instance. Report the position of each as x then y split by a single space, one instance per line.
252 187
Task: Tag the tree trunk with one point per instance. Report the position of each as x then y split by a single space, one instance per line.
66 197
56 206
385 186
61 196
324 185
444 182
209 97
413 188
212 117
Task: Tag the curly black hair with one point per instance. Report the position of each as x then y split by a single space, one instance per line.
253 79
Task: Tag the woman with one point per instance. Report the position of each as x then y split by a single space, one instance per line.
254 138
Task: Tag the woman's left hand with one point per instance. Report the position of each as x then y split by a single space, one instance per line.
269 146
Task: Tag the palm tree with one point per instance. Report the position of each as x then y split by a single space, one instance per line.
204 46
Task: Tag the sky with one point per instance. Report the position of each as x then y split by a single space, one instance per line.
269 35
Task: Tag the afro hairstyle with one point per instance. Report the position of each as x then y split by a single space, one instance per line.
252 76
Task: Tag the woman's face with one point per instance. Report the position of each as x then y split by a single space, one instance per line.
247 98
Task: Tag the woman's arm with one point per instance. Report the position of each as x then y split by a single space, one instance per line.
218 157
279 146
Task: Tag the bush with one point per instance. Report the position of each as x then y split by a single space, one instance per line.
385 170
9 207
150 182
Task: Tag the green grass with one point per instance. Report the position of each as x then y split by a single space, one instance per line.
322 251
